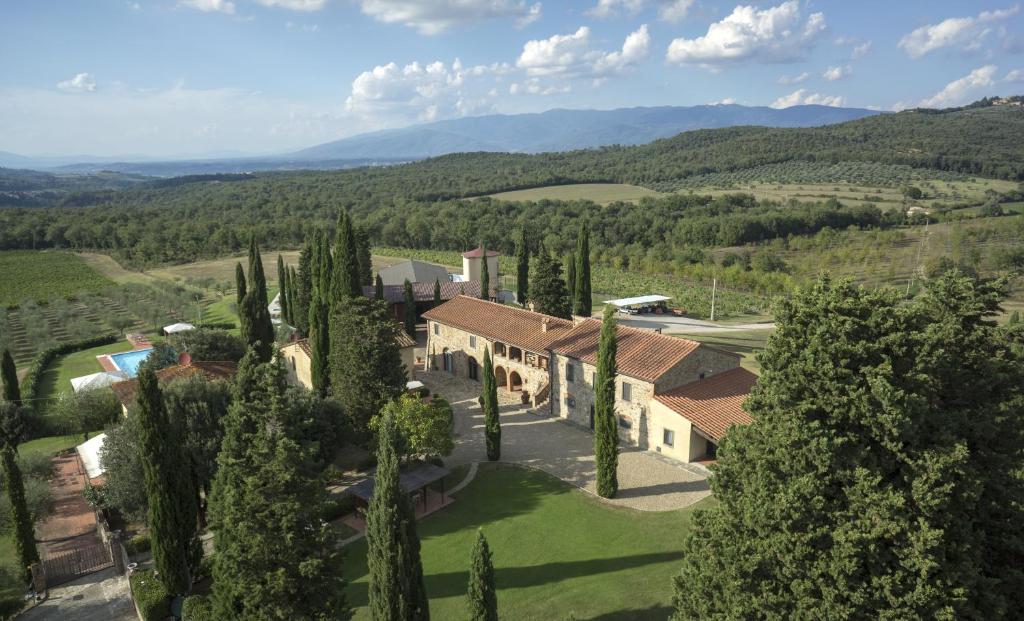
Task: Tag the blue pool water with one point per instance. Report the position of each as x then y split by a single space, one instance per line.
129 361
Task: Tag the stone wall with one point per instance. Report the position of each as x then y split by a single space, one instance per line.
297 364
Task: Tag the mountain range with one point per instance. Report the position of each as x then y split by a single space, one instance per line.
554 130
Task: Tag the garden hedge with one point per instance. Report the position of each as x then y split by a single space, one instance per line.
151 598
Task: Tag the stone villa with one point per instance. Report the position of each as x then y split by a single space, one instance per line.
673 396
298 361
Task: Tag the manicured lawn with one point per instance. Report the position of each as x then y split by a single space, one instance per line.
51 445
56 380
746 343
41 275
556 551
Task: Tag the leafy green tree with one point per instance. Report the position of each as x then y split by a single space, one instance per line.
582 298
345 280
482 597
409 305
366 364
24 533
606 434
125 487
522 267
209 345
89 410
547 289
489 403
282 287
570 278
485 276
319 344
880 477
437 292
9 376
397 592
425 428
239 285
364 257
162 356
276 558
1014 318
378 288
173 512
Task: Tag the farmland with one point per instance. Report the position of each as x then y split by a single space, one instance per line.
600 193
30 275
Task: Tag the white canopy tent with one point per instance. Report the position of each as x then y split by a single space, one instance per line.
178 327
642 300
97 380
89 452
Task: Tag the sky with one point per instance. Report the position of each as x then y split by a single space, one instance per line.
196 78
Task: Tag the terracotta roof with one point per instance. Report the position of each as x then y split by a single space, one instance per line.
424 291
478 252
126 390
643 354
404 340
713 404
498 322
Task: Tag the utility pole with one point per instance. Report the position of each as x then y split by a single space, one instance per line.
714 289
918 265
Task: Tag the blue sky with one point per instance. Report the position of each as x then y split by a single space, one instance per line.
170 78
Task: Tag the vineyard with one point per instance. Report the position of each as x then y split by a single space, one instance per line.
45 275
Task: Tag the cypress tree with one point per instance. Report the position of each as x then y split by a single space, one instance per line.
547 289
582 302
489 402
257 279
378 288
326 263
173 511
21 519
606 434
319 344
410 310
9 376
1014 318
282 287
485 277
396 590
239 286
482 596
257 328
364 258
345 281
302 284
292 294
522 268
570 279
437 292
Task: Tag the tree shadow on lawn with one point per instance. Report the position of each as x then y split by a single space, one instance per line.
454 583
676 487
652 612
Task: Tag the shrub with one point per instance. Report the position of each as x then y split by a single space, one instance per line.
197 608
137 544
335 508
36 465
150 596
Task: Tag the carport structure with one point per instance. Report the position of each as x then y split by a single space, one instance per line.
642 304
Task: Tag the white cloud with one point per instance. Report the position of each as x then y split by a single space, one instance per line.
435 16
1016 75
775 34
728 101
860 51
210 6
135 6
571 55
794 79
837 73
534 86
965 33
668 10
81 83
295 5
958 91
802 97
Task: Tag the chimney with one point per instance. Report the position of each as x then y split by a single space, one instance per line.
185 359
544 324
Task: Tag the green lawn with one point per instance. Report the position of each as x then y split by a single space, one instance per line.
556 551
56 379
43 275
746 343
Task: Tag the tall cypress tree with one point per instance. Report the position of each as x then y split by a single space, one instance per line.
485 277
319 344
9 376
257 328
409 305
364 258
326 265
257 278
570 278
396 590
489 402
582 302
482 596
378 288
606 434
173 510
522 268
345 282
437 292
239 286
282 287
21 519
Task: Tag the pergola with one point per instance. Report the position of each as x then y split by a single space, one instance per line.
414 478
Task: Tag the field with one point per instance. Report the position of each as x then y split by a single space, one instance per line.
746 343
600 193
27 275
556 552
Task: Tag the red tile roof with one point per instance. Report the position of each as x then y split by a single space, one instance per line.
126 390
498 322
643 354
424 291
478 252
713 404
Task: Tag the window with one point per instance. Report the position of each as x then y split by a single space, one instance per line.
472 341
570 401
436 330
448 361
668 437
625 423
570 372
474 369
627 391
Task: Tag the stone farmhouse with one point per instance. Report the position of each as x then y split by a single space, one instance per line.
673 396
298 359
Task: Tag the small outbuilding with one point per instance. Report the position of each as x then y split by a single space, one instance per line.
89 454
175 328
97 380
413 271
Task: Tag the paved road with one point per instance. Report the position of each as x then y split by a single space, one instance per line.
647 482
102 596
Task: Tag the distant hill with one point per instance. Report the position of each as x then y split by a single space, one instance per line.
567 130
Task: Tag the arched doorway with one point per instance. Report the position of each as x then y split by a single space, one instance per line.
474 369
448 360
515 382
500 377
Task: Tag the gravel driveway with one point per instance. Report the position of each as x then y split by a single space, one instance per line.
647 481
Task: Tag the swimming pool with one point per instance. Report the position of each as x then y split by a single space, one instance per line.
129 361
